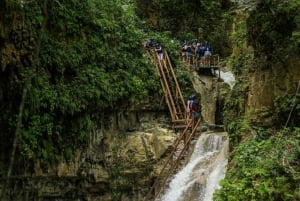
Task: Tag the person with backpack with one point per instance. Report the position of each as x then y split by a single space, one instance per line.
193 111
188 52
193 107
207 55
207 52
199 52
159 51
188 107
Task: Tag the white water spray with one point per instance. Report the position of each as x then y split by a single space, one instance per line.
228 78
200 177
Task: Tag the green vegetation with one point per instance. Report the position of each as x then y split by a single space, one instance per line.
82 58
235 119
278 33
264 169
287 108
78 61
264 161
190 19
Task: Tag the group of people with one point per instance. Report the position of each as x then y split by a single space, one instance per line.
196 49
150 45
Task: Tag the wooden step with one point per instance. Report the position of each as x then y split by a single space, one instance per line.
180 126
178 120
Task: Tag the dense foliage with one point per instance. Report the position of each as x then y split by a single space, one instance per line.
264 162
80 59
264 169
204 20
287 109
279 31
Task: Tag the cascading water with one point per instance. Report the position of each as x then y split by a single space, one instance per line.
200 177
228 78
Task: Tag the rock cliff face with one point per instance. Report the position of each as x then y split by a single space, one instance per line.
121 157
211 99
268 84
265 69
125 158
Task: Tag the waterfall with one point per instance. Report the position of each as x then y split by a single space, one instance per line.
228 78
206 167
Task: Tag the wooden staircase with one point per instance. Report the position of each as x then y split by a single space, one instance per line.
180 120
171 89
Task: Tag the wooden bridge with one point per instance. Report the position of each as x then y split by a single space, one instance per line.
203 65
179 118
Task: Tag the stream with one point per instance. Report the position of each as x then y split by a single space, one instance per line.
200 177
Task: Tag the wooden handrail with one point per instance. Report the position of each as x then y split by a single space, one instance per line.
173 167
177 85
213 61
167 88
163 82
178 114
186 145
164 67
167 69
175 146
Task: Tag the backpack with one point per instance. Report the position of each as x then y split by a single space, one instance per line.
193 107
199 49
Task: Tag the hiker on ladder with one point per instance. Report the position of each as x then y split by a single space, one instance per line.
188 108
192 109
159 51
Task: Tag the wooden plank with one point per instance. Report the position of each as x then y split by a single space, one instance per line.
180 126
178 120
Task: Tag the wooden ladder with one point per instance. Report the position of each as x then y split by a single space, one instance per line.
172 162
171 89
177 108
